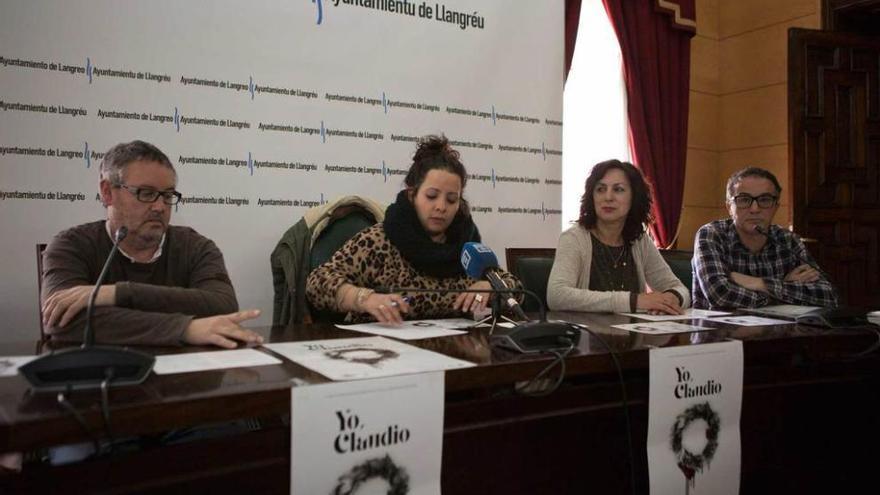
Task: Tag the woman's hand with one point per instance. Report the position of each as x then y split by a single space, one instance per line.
658 303
473 301
385 308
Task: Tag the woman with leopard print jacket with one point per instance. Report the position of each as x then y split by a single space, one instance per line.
417 245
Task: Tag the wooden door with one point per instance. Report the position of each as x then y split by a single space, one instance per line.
834 155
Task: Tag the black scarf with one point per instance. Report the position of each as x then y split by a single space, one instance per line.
431 258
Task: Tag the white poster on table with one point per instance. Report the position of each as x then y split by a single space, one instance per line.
364 357
694 408
368 437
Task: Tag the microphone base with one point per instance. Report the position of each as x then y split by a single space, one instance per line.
87 368
537 336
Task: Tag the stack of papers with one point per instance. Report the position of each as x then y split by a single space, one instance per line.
188 362
786 311
9 364
415 329
689 314
751 321
662 327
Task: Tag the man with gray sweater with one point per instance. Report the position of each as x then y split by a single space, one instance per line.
167 286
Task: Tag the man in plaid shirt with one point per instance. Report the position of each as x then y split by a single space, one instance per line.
746 262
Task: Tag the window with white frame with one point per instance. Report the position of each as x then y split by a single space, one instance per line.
594 106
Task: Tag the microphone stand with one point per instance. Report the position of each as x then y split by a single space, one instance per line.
542 312
89 366
527 336
495 316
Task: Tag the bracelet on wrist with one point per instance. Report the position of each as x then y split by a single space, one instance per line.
362 294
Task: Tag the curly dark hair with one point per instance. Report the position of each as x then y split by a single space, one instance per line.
640 210
434 153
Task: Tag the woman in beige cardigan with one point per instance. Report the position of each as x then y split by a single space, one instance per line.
607 262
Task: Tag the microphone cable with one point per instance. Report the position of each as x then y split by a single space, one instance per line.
66 405
105 407
560 361
848 358
872 348
625 405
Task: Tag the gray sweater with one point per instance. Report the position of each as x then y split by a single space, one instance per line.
568 287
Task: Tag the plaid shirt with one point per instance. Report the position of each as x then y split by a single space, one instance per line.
718 251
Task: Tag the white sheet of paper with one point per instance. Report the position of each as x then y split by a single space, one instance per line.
9 364
364 357
750 321
784 310
368 437
689 314
414 329
661 327
211 360
694 406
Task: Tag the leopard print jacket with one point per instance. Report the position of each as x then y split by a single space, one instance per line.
370 260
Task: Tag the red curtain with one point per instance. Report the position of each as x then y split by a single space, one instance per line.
654 38
572 16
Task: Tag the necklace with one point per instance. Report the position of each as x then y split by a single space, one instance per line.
609 267
616 261
620 256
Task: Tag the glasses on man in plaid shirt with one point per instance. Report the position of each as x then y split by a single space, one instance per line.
718 251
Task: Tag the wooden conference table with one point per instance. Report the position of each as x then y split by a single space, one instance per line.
810 418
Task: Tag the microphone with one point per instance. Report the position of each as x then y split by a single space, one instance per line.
479 262
393 290
88 333
761 230
90 366
530 336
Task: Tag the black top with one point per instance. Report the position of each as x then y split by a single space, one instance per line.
613 268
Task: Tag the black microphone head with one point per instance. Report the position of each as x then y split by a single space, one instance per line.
760 230
121 232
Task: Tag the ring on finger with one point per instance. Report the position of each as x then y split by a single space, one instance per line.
478 298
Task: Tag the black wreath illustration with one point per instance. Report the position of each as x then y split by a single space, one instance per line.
379 467
379 355
689 462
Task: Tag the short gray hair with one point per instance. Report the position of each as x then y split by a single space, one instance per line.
751 172
118 157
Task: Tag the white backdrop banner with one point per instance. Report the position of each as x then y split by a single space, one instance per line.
268 108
